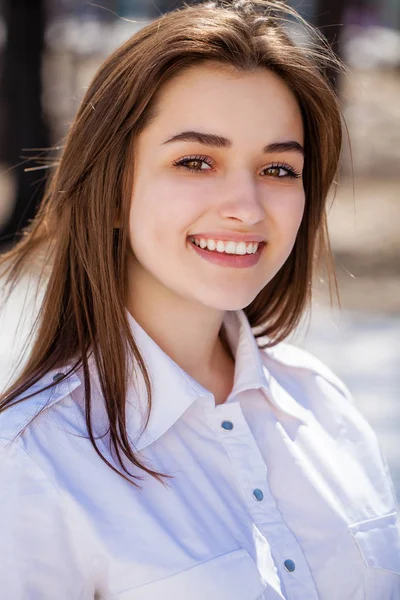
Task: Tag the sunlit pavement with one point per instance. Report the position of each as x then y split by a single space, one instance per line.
363 349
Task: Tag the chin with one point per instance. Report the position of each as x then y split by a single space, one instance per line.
238 302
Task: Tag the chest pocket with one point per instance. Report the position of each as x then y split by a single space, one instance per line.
378 540
232 576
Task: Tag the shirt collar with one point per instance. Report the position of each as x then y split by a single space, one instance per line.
174 390
251 370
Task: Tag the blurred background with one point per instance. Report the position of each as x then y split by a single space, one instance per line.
50 50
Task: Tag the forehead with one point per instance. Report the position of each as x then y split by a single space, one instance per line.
221 99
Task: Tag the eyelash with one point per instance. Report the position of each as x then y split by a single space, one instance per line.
292 173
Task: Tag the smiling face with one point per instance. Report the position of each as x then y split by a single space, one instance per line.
243 177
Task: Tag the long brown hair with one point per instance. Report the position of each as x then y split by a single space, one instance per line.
74 236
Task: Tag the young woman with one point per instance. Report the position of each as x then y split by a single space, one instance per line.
178 240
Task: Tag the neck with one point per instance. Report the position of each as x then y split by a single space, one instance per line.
190 333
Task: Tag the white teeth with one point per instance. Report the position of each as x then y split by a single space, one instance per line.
241 248
230 247
211 244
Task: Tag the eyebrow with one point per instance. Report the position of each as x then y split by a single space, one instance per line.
218 141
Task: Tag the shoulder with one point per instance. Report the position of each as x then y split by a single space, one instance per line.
35 401
287 359
299 379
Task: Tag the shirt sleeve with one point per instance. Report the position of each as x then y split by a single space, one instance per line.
40 558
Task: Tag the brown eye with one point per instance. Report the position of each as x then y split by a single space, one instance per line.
194 163
191 164
282 171
274 171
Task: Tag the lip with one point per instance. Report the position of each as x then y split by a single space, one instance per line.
238 261
229 236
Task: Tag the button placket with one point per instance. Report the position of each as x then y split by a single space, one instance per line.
242 434
244 451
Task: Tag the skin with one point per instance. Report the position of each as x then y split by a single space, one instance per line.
174 294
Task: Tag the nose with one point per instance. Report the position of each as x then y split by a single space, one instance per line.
242 199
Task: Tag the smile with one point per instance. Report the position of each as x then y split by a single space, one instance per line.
239 248
220 255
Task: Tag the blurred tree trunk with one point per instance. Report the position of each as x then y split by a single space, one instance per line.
23 125
328 18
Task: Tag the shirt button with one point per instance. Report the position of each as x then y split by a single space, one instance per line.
289 565
258 494
227 425
58 376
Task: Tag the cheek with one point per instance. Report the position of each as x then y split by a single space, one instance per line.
288 213
298 210
162 214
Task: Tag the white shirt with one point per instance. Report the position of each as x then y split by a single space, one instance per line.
280 492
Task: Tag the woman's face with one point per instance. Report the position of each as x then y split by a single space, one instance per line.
246 178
